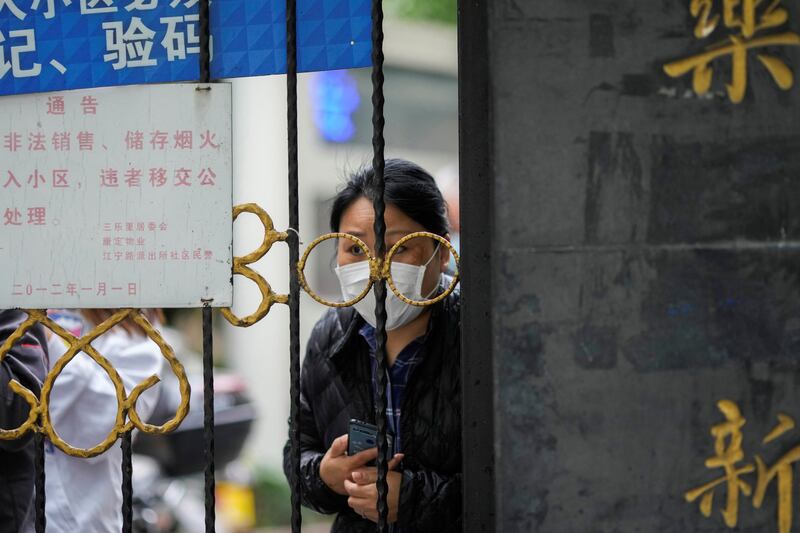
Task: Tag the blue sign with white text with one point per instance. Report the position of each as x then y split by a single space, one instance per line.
53 45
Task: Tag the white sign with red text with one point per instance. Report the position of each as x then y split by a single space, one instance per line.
116 197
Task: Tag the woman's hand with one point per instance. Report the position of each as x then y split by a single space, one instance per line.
336 465
363 491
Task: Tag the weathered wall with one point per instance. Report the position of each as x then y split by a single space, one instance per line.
645 265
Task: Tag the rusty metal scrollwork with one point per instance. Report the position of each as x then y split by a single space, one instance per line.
126 417
241 267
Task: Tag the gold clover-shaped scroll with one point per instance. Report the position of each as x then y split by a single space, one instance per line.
241 266
379 269
126 418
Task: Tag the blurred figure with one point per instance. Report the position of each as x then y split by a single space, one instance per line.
85 494
447 180
24 363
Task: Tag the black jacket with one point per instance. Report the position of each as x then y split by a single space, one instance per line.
336 387
25 363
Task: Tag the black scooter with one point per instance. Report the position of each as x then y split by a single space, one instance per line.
168 493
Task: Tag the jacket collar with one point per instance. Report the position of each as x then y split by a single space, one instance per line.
348 321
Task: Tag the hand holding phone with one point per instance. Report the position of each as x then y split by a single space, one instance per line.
336 466
352 452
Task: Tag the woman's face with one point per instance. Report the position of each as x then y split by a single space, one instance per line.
358 220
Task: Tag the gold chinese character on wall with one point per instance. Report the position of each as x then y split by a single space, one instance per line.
752 25
728 453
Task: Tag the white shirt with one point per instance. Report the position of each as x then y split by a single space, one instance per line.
85 495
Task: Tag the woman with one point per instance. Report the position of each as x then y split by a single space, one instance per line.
423 359
85 494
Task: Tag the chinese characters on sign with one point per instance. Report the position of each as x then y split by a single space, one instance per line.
117 197
751 25
729 456
130 46
50 45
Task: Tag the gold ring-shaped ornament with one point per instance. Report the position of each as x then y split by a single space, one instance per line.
268 296
374 269
17 388
388 269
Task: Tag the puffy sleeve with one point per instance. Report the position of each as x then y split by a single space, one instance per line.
315 493
24 363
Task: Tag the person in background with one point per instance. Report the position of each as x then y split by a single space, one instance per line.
447 180
338 380
24 363
84 495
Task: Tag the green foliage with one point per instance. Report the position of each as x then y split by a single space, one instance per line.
273 504
431 10
273 500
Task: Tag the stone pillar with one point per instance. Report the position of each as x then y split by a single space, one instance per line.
644 265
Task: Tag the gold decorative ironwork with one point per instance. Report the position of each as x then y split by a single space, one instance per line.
126 418
379 269
374 269
241 267
401 242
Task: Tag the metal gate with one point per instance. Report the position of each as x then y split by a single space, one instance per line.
127 419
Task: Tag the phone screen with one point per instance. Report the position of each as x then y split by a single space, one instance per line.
363 436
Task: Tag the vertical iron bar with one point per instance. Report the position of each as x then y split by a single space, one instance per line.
294 257
378 163
127 483
208 417
205 42
208 352
41 519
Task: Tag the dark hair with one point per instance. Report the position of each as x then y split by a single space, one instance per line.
98 316
408 187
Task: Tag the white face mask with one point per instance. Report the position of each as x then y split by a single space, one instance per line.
408 280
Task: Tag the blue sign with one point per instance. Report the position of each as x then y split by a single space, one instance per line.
52 45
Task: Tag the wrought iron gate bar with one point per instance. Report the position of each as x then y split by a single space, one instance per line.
39 502
127 483
378 163
205 42
294 254
208 346
208 417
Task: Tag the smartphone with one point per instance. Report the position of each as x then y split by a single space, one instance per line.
363 436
